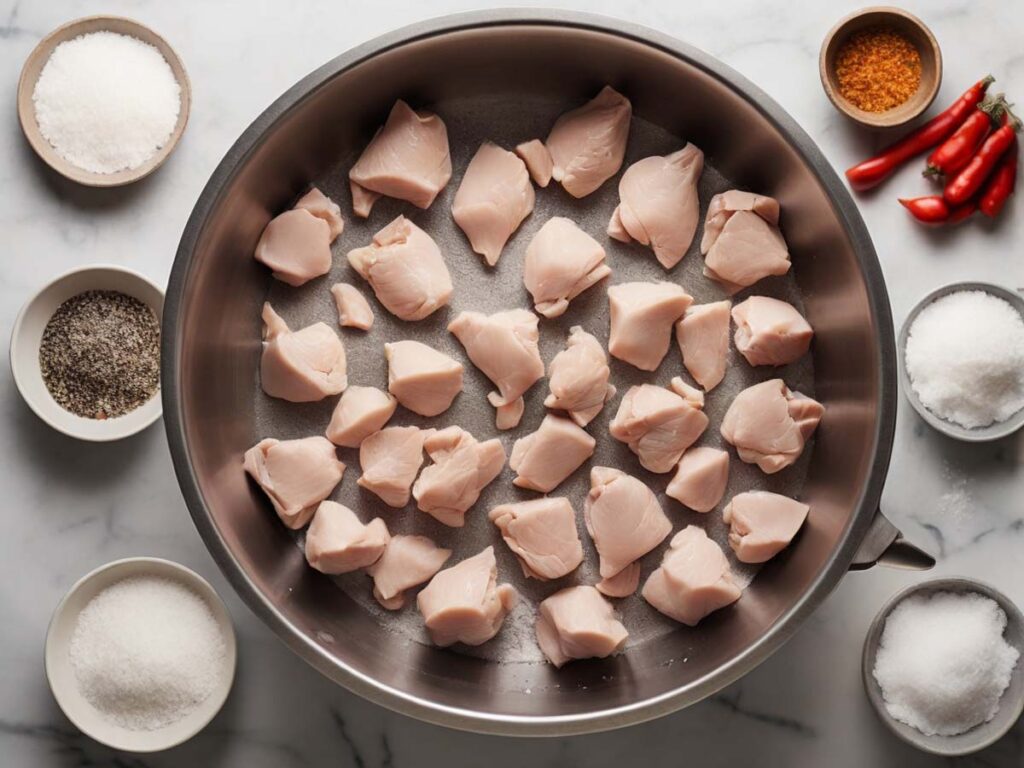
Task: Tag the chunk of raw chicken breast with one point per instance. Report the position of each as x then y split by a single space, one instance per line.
543 459
769 424
701 477
360 412
296 475
622 584
537 159
578 376
424 380
659 205
493 199
462 468
338 542
742 242
703 338
761 524
770 332
658 425
353 308
587 144
504 347
624 519
693 580
464 603
390 460
642 315
405 268
321 206
542 534
407 159
562 261
407 562
296 245
300 366
577 623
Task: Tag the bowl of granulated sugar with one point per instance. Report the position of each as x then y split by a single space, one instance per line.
103 100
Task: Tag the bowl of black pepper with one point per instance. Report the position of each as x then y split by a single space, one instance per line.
85 352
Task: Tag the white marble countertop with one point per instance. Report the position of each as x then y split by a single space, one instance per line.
68 510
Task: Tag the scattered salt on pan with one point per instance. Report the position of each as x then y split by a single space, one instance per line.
106 102
965 358
942 662
146 652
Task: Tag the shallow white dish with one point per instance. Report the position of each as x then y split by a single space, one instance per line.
62 678
28 334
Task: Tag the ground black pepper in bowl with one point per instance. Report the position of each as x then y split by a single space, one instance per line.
100 354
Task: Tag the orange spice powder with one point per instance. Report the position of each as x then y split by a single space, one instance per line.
878 69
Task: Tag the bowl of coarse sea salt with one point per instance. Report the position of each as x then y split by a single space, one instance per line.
140 654
961 356
942 666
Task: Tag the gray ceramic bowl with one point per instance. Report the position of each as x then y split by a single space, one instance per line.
979 434
1010 706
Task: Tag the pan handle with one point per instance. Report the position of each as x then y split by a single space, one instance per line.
884 545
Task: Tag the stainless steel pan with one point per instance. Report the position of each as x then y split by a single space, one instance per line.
508 73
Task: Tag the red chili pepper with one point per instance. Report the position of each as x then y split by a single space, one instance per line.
969 180
1001 184
956 151
871 172
934 209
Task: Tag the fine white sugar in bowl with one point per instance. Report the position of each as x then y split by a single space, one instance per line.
66 681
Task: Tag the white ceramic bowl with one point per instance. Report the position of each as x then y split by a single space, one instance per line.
62 677
28 334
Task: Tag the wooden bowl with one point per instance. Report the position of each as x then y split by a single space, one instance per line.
910 27
37 60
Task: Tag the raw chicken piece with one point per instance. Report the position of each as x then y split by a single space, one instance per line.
405 268
337 542
296 245
407 561
693 580
296 475
703 338
624 519
424 380
578 376
390 460
542 534
562 261
493 199
700 479
659 204
742 242
509 415
642 315
353 308
658 425
537 159
300 366
360 412
761 524
577 623
769 424
770 332
543 459
691 395
623 583
321 206
587 144
462 468
464 603
407 159
504 347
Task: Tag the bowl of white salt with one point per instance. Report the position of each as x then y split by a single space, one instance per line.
140 654
942 667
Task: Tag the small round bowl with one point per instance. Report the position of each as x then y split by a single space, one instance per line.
37 60
910 27
28 334
994 431
61 676
1010 705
